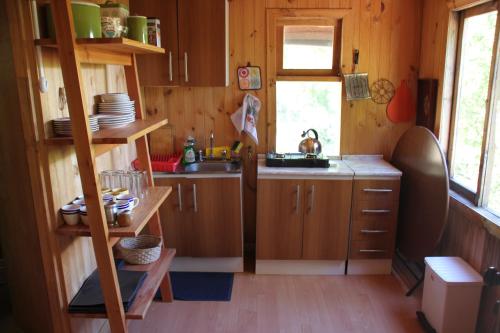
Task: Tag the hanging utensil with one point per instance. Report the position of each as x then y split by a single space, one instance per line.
356 84
401 109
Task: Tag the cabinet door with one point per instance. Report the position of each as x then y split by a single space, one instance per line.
279 219
175 216
216 225
160 69
203 42
326 219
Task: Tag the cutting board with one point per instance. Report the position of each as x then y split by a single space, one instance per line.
161 141
401 108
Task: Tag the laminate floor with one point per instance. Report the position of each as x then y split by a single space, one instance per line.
306 304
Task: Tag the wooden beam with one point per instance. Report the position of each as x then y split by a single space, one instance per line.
70 65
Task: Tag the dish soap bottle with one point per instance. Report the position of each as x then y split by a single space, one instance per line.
189 153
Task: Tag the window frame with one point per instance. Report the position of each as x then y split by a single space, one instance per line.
275 21
476 197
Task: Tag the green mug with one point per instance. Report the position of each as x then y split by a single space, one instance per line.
138 28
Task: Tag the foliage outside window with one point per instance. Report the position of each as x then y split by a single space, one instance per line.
474 153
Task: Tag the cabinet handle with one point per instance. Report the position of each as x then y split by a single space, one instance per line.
297 193
377 190
366 231
311 198
170 67
376 211
371 251
186 72
179 196
195 201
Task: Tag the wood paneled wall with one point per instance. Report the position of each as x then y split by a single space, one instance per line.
387 33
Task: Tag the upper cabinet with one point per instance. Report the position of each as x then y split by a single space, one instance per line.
195 36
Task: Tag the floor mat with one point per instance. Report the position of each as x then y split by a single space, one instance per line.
198 286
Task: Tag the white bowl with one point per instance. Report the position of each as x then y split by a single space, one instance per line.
83 215
71 218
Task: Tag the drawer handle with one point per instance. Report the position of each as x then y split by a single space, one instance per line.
371 251
179 195
377 190
186 72
170 67
366 231
297 199
195 199
376 211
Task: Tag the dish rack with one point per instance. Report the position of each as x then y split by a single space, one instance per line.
162 163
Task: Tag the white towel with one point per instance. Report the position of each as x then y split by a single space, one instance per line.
245 118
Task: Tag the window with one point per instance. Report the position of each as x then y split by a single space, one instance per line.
474 157
304 58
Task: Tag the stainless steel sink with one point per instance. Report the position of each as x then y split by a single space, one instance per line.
212 167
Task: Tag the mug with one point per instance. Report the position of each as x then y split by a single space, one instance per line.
138 28
134 201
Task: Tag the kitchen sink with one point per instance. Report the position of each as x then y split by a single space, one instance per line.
212 167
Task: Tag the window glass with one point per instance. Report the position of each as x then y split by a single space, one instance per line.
492 193
308 47
304 105
472 93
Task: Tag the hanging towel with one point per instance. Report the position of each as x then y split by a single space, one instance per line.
245 118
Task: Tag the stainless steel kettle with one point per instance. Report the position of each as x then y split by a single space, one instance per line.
310 145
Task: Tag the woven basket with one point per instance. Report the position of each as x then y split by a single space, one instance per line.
141 250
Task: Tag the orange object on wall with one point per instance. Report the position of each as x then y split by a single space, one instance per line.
401 108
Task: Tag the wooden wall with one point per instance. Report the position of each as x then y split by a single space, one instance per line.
387 33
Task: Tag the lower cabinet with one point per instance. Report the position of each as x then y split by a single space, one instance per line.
303 219
203 217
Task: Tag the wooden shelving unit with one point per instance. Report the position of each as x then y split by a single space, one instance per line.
120 135
72 53
146 294
140 217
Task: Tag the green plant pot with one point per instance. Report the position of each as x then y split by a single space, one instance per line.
86 17
138 28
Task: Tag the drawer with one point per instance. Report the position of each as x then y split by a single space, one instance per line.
375 211
373 230
376 190
371 249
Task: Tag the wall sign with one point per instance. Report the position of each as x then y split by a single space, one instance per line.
249 78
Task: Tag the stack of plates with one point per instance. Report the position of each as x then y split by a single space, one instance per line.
62 126
115 110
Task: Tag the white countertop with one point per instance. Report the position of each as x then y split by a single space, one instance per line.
337 170
370 166
351 166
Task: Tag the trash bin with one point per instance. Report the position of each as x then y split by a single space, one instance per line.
452 292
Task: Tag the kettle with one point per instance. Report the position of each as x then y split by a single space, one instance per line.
310 145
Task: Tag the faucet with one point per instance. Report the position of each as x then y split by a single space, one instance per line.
212 139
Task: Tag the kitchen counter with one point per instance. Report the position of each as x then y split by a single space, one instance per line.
370 166
349 167
337 170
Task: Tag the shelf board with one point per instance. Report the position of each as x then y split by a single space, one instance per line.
115 45
140 217
119 135
145 295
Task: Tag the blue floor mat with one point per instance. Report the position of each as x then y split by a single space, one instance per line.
198 286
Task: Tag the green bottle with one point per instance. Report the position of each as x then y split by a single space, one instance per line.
189 153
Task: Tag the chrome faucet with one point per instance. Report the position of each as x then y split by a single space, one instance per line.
212 139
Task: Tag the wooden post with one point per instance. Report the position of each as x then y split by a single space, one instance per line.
70 64
142 148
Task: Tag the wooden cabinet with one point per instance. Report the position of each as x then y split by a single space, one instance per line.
195 37
374 219
303 219
203 216
279 219
326 219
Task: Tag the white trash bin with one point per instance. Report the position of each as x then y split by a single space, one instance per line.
452 292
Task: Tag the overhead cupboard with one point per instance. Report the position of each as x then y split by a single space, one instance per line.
195 36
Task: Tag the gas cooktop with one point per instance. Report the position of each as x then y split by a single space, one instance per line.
296 160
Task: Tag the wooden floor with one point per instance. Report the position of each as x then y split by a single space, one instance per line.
288 304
